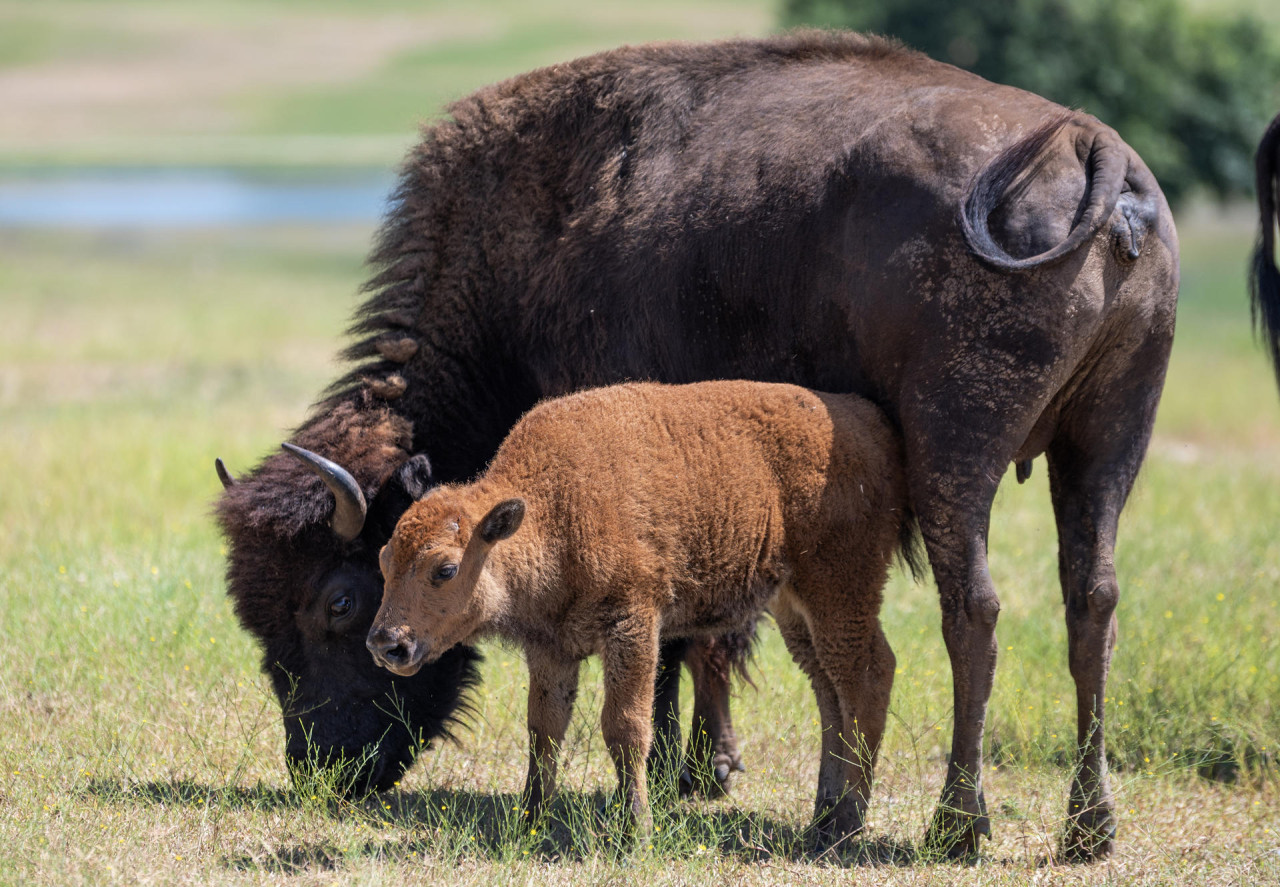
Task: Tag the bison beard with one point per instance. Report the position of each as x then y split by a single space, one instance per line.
997 273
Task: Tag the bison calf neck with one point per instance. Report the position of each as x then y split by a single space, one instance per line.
615 515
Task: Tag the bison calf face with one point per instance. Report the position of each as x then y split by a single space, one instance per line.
437 592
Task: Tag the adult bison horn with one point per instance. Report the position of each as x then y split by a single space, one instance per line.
223 475
349 505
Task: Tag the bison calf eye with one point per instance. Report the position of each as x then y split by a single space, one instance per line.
340 606
445 573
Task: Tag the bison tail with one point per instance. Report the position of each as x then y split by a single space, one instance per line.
1107 167
1264 277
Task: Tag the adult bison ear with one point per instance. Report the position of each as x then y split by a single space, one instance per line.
407 484
414 477
502 520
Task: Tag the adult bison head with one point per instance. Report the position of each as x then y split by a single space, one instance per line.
303 536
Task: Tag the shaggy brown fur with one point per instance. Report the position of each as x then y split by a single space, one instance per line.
613 515
996 273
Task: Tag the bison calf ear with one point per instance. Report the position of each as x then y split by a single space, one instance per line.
502 520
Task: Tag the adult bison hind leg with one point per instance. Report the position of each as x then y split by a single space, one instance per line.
953 479
1093 462
970 608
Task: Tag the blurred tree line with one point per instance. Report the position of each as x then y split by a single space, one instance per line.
1191 93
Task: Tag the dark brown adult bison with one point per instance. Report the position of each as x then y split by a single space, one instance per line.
997 273
1264 278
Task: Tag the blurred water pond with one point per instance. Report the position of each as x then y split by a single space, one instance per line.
190 198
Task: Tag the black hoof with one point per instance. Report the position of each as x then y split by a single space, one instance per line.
954 835
714 782
1090 837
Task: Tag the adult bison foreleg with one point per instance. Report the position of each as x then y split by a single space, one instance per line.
712 755
665 753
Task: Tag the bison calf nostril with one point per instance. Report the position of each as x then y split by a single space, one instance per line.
388 650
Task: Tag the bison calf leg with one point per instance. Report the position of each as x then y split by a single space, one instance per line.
858 662
553 687
630 662
795 634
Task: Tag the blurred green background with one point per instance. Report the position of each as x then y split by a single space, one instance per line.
287 82
131 356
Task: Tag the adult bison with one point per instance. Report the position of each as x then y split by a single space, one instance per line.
1264 279
999 274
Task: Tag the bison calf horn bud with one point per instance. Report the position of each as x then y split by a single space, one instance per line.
349 507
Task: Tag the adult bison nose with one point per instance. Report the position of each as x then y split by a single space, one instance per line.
396 650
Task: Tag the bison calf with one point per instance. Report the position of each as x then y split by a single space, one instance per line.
614 515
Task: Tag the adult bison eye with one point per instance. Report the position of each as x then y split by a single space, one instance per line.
340 606
446 572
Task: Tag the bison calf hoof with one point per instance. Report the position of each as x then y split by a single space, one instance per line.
1091 836
626 825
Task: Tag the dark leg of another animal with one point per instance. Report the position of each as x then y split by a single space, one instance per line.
1092 466
712 755
553 687
665 755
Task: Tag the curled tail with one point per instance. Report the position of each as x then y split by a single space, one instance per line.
1107 165
1264 278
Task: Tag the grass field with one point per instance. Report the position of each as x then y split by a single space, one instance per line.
141 744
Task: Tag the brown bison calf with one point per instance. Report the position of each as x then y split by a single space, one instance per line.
615 515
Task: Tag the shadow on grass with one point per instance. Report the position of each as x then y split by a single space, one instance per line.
490 826
186 793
